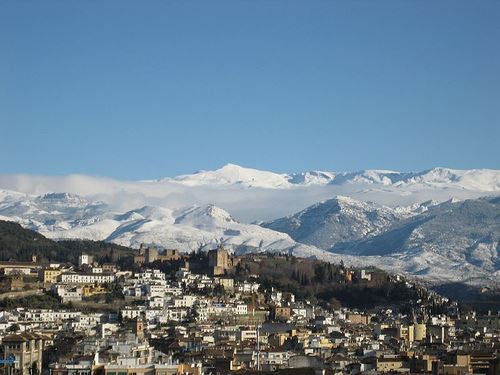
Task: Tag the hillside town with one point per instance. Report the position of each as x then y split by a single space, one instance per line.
113 321
249 187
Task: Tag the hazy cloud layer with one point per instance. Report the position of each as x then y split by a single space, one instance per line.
244 203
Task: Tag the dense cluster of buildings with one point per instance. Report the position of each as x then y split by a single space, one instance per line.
211 323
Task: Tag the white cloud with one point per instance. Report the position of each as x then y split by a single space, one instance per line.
247 202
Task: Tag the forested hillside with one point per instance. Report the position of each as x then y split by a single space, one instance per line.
17 243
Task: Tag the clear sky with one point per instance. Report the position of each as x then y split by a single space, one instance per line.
146 89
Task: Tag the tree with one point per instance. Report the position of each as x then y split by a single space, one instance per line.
218 290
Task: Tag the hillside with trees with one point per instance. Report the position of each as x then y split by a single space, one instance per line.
331 285
20 244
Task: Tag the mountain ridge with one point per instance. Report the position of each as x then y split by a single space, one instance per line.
235 174
327 215
454 239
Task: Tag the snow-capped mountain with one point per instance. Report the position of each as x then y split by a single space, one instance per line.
473 179
231 174
454 240
65 216
337 220
253 195
370 209
195 227
50 212
451 228
311 178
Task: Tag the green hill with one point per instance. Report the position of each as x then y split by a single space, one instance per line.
18 243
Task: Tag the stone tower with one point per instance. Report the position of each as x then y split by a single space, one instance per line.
219 261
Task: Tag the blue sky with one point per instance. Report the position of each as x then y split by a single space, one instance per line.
145 89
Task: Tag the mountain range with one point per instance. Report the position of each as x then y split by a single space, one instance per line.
454 240
442 225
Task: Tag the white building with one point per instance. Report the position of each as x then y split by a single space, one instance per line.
246 334
67 293
87 278
133 312
241 309
247 287
156 302
154 290
185 301
84 259
50 315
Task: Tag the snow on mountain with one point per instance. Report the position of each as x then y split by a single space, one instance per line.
453 229
98 230
335 221
232 174
451 241
67 216
62 200
416 208
374 176
192 211
9 196
311 178
197 227
50 212
473 179
252 195
425 265
204 216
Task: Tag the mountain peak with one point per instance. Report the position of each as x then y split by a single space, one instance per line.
197 214
335 221
62 199
60 196
231 166
346 199
215 212
232 174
